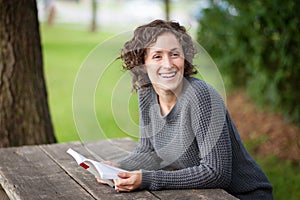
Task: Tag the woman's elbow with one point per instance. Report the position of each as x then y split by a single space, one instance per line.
223 178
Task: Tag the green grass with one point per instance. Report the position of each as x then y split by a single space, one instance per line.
284 176
65 49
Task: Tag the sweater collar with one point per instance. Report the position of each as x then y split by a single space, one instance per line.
177 107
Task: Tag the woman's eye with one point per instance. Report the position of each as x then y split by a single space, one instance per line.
175 54
156 56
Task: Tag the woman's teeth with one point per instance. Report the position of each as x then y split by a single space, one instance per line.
169 75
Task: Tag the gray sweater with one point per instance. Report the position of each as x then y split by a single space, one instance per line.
195 146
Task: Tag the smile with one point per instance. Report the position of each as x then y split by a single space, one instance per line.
168 75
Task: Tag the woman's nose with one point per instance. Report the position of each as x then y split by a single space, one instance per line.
167 62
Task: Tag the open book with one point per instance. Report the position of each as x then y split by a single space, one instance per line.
101 170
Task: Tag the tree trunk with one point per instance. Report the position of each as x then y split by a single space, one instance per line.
94 15
24 112
167 9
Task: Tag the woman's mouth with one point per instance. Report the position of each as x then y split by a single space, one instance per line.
168 75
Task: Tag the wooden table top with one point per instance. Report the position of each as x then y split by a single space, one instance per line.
48 172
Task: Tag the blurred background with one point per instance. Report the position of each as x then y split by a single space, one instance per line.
118 15
254 44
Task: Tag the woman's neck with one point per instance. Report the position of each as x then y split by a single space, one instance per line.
166 103
167 100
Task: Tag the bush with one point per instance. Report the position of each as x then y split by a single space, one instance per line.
255 43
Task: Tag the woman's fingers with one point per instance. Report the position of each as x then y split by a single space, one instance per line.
99 180
129 181
121 189
124 175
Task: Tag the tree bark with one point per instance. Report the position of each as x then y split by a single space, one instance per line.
24 111
167 9
94 15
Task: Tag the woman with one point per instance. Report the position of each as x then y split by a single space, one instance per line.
187 138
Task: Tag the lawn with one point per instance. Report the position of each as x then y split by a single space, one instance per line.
68 53
83 63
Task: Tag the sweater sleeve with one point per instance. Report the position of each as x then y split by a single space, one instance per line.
144 155
208 121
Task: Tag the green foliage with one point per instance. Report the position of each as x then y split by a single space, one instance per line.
254 43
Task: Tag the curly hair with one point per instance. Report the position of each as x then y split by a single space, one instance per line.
134 50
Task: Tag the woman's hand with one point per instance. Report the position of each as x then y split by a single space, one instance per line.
99 180
129 181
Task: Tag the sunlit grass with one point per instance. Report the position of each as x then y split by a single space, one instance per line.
64 50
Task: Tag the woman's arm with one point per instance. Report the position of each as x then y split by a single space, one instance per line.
214 171
143 157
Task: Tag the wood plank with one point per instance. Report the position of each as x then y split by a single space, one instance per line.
3 195
28 173
58 153
111 149
207 194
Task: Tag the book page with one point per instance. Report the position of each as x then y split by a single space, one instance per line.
106 171
102 170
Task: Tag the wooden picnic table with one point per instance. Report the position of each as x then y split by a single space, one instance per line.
48 172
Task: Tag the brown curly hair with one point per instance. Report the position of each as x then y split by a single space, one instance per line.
134 50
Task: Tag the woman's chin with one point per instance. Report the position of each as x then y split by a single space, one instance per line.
168 87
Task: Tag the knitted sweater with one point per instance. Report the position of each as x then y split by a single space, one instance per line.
196 145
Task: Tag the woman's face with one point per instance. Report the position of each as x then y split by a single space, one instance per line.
164 63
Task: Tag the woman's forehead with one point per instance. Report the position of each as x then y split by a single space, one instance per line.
165 41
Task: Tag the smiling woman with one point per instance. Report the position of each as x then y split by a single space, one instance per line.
187 138
164 63
135 52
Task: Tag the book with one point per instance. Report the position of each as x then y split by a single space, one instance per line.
101 170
